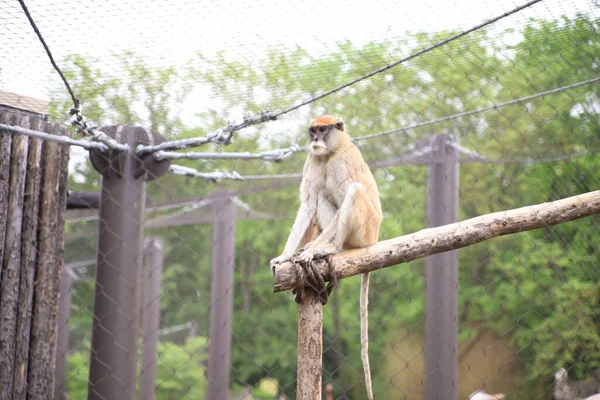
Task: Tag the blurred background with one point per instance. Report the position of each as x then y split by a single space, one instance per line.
527 303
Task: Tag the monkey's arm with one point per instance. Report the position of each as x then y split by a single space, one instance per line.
308 208
305 215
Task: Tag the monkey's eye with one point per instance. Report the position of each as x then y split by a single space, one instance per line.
323 129
312 131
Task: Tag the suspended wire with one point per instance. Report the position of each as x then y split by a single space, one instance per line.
420 156
49 53
220 137
77 119
53 138
530 160
480 110
214 176
402 60
218 176
270 155
282 154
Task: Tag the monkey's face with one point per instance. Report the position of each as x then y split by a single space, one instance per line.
323 135
320 139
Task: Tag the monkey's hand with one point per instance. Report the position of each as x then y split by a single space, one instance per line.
278 260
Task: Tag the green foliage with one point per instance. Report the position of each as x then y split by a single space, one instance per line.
538 289
179 368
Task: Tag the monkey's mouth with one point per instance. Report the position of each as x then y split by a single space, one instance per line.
318 149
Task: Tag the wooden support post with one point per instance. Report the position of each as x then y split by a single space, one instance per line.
29 257
310 348
153 251
114 353
441 275
9 285
49 265
221 295
33 179
62 342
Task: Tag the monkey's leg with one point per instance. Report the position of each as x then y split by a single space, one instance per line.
326 236
352 218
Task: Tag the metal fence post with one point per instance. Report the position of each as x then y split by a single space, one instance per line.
153 249
114 353
441 270
221 295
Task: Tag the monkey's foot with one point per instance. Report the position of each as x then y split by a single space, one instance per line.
325 250
306 256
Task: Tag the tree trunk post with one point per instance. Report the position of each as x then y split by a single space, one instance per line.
114 353
62 342
221 295
441 272
153 249
33 177
11 264
310 348
49 266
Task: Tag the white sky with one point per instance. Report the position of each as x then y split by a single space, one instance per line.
171 32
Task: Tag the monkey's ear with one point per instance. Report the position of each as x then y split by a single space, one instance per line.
339 125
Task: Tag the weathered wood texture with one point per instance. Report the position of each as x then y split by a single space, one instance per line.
28 262
310 347
5 157
49 268
33 180
9 286
444 238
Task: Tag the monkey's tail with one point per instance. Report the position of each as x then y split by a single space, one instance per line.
364 332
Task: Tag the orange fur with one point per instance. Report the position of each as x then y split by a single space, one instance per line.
324 120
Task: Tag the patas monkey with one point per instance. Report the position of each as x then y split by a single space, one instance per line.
338 187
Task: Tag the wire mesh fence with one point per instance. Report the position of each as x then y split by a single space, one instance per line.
174 257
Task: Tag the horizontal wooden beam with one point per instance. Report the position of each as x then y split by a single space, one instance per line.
445 238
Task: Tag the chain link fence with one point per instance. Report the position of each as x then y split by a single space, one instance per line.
167 246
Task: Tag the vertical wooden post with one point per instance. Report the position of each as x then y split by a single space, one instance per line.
29 258
33 177
9 285
114 353
153 250
441 270
51 234
62 342
115 330
221 295
310 348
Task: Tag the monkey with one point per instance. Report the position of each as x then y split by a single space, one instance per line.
569 390
340 205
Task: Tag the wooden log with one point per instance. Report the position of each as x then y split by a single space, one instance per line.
445 238
5 153
310 347
9 286
49 267
28 261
